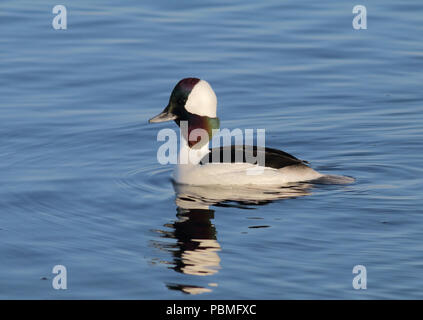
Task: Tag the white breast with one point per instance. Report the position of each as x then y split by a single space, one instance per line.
241 174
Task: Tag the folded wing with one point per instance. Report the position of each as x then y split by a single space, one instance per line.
273 158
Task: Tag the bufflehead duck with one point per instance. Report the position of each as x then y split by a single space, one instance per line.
193 100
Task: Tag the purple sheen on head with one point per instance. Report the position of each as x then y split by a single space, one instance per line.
187 84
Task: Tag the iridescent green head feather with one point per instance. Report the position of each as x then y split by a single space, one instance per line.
192 100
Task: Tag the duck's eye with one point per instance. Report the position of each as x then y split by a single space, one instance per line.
181 101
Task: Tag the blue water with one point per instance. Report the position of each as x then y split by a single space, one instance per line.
81 186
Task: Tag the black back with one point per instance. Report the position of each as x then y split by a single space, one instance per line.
274 158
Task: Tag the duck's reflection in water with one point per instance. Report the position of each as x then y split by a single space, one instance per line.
196 251
196 241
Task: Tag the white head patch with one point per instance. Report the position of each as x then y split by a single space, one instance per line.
202 100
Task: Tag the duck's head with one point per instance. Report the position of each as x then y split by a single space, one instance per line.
192 100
